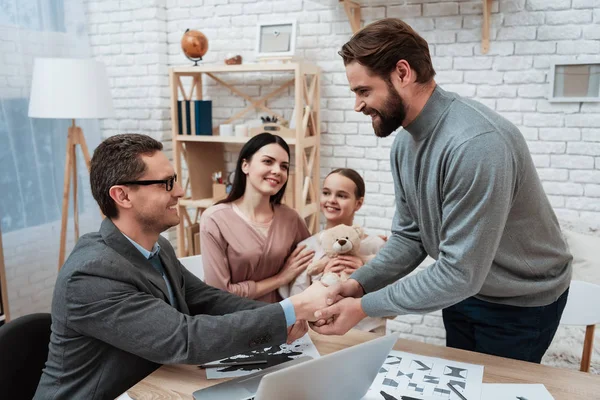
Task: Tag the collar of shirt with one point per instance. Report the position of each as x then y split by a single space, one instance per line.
145 253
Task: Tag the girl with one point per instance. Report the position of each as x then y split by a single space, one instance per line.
342 196
249 240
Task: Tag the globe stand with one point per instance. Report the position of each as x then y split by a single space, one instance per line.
195 60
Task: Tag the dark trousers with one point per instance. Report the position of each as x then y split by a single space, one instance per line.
522 333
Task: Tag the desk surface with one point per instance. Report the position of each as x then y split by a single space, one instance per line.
180 381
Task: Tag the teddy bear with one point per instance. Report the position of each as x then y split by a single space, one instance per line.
339 240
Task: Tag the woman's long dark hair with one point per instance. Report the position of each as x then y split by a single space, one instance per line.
250 148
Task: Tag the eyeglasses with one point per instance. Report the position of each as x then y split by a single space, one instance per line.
169 182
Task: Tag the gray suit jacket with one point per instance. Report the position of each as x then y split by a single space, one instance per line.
112 323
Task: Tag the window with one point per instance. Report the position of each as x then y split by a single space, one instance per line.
35 15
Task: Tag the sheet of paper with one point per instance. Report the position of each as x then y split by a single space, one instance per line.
406 376
515 391
274 355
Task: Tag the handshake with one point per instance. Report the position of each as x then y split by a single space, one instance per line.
330 310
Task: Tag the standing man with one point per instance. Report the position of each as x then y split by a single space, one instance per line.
123 304
467 193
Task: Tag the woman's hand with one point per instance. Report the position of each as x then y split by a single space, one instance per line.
347 264
296 262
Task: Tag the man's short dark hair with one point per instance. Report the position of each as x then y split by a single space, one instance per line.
118 159
380 45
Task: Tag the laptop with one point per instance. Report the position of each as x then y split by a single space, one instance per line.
344 375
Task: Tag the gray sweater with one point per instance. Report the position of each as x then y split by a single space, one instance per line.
467 194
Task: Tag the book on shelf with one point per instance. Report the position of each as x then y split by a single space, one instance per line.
194 117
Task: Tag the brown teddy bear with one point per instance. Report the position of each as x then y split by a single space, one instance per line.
339 240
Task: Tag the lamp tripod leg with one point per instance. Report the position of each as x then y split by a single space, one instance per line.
75 206
65 200
86 153
84 149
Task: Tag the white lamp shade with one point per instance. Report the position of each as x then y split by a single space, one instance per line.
69 88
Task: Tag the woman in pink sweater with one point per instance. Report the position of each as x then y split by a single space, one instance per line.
249 240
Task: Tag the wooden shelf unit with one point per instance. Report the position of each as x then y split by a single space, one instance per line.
205 154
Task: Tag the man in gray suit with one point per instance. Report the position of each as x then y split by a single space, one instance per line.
123 304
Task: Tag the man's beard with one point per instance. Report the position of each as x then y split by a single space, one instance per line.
152 224
391 116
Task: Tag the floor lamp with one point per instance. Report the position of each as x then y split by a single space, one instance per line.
72 89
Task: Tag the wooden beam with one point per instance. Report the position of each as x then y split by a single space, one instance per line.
308 210
485 26
174 84
353 12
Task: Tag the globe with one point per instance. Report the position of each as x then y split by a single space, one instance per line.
194 45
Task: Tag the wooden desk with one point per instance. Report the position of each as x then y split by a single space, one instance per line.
180 381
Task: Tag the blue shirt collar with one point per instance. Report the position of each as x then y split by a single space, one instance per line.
145 253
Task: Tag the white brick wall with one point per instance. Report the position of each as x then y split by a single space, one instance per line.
138 42
130 37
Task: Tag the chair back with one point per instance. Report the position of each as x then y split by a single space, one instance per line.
23 354
194 265
582 309
582 304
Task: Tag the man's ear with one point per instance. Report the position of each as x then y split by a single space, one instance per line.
120 195
402 74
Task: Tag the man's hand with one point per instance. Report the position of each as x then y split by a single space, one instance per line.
297 330
313 298
340 317
350 288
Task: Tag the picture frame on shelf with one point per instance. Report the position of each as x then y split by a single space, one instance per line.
575 82
276 39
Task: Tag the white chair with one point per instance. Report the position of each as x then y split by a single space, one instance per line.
194 265
583 309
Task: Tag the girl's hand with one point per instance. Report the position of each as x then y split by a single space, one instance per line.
296 262
347 264
385 238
